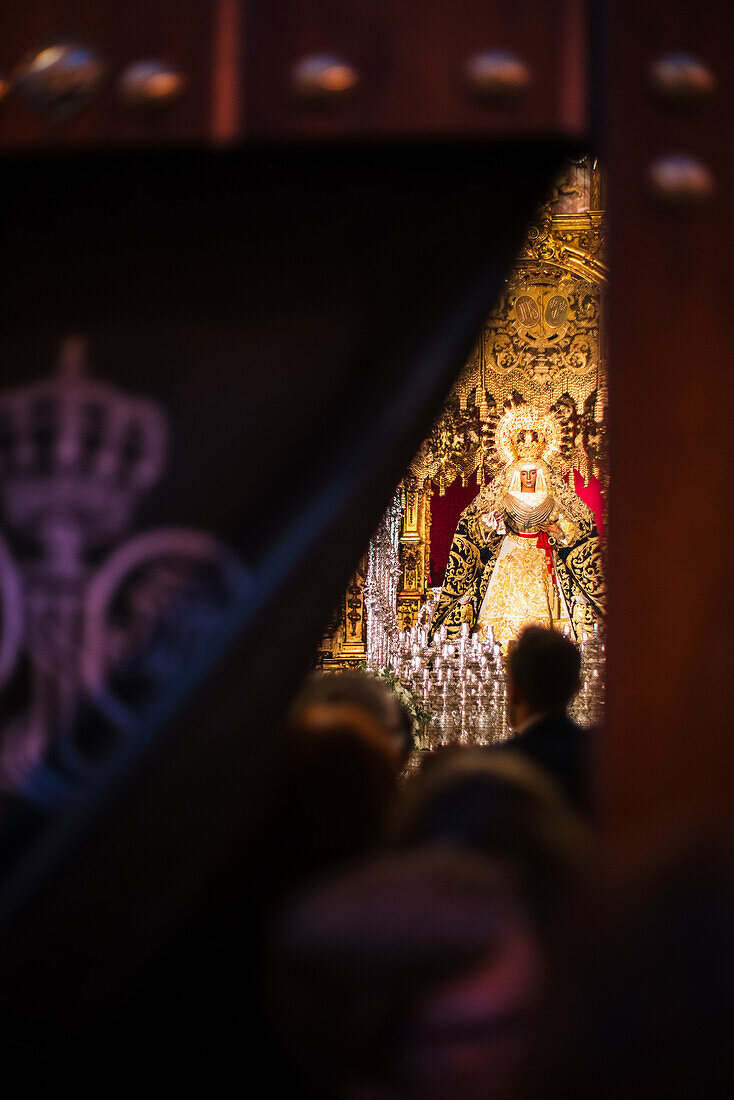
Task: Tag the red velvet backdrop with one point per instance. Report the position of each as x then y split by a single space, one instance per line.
445 512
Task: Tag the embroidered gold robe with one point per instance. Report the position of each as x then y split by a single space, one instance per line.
499 576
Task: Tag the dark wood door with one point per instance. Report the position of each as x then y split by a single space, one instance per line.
186 37
412 67
667 765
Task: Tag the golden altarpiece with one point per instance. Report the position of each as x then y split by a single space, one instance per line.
543 348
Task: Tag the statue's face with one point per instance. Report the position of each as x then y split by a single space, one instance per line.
528 479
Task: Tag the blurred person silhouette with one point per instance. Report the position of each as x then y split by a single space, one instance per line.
437 757
503 806
543 675
640 1003
337 776
365 693
414 977
333 777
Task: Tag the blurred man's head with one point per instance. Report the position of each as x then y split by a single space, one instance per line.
501 805
337 776
363 692
544 674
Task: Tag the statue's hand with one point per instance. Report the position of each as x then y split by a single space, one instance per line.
467 614
553 529
493 521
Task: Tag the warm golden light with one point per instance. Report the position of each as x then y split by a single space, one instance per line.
165 85
46 58
338 78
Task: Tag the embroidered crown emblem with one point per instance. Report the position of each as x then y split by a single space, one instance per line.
77 451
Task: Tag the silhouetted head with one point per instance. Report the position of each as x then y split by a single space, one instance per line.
338 775
544 672
366 693
503 806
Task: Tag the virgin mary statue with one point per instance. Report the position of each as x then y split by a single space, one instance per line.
526 550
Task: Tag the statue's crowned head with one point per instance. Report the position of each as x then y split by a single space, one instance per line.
529 445
525 433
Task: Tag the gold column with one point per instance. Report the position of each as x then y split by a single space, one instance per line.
415 545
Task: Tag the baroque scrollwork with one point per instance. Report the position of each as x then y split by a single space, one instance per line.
542 346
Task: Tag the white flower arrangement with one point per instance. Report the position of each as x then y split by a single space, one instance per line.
412 703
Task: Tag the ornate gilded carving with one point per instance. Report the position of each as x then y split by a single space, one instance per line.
451 449
355 611
414 550
344 641
412 562
543 345
542 342
408 608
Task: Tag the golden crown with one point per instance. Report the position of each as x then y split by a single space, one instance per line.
524 432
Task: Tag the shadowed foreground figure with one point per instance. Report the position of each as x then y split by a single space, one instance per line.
641 1003
365 693
543 677
338 776
414 977
502 806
